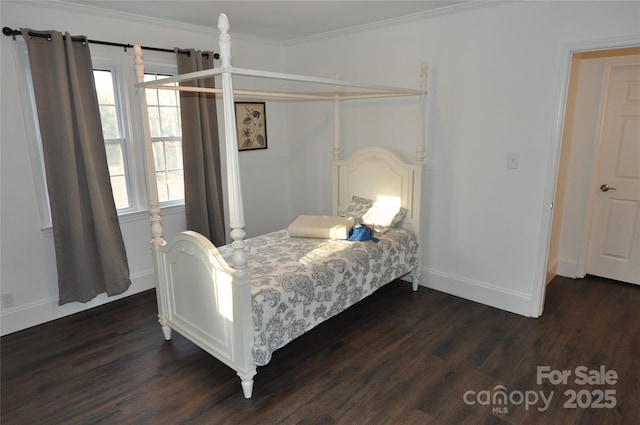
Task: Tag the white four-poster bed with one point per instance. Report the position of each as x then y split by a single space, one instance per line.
238 302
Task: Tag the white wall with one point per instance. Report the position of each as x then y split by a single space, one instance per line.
579 165
495 87
27 256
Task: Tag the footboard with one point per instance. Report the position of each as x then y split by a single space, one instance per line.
198 297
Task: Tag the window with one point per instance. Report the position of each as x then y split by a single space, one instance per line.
121 124
113 136
163 107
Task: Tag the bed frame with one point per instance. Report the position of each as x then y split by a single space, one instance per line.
201 296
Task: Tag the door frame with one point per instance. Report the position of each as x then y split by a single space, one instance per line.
567 51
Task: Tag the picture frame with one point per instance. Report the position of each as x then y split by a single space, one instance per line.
251 125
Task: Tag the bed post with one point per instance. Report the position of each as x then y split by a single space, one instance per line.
157 240
420 160
242 314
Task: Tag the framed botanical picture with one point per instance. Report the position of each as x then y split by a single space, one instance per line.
251 124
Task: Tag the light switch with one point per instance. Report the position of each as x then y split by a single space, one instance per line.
513 160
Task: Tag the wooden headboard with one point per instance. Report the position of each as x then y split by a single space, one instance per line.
373 172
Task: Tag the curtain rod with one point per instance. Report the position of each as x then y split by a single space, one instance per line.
12 33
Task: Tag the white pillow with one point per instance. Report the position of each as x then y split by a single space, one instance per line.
356 208
383 215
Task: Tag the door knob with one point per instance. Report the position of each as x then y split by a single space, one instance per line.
606 188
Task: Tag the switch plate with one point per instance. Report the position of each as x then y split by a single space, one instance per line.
513 160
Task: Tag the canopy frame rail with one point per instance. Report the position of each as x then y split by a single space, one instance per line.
376 91
286 96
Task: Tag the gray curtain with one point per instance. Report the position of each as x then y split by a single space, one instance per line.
201 151
90 253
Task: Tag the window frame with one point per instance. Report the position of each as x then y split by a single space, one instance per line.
125 130
159 139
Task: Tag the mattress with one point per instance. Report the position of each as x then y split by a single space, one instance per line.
297 283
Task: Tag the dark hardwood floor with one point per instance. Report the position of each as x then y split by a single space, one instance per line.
398 357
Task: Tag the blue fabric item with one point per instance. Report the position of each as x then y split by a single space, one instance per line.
361 233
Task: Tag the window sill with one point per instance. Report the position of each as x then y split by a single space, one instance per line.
130 217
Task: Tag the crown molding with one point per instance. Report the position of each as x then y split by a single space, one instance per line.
428 14
212 31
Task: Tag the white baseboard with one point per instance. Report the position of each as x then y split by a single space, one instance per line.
567 268
552 271
35 313
28 315
481 292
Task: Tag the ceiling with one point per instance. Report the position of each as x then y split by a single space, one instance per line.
275 20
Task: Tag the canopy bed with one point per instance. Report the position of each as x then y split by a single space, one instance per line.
242 301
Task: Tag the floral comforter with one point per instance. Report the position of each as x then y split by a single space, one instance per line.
297 283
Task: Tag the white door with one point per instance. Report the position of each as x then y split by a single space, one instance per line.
614 244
